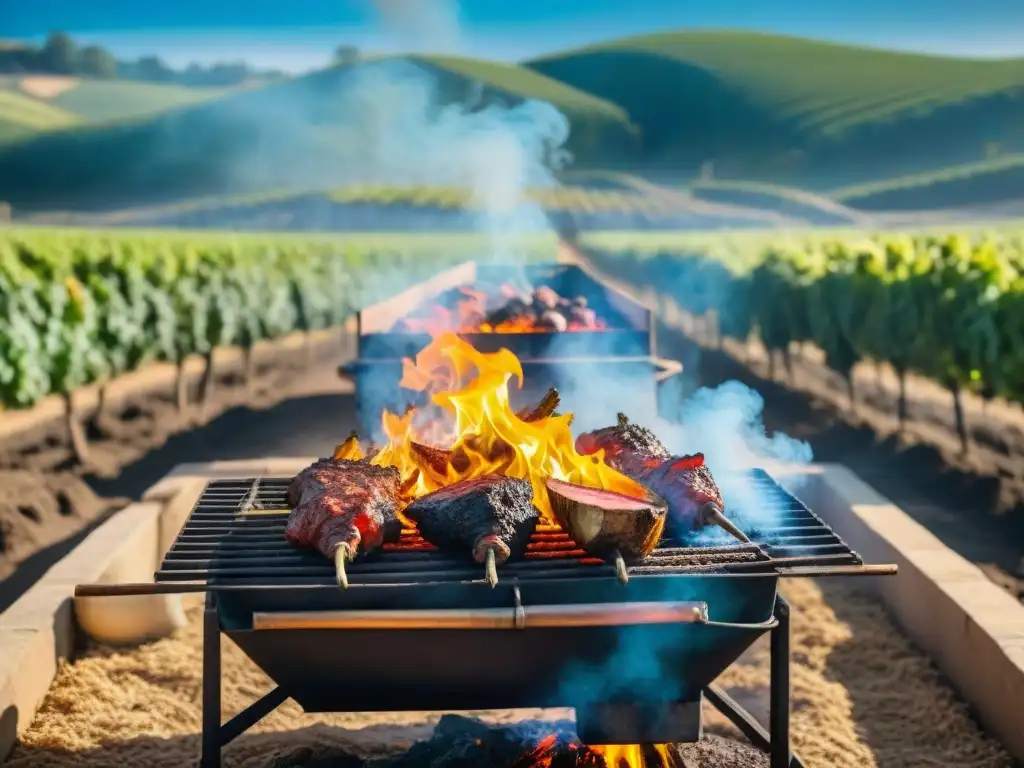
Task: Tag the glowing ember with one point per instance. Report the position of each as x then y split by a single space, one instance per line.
466 310
486 435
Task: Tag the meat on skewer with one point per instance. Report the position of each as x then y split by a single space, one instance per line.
342 507
492 517
685 482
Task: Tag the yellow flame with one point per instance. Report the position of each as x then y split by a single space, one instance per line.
488 436
350 449
631 755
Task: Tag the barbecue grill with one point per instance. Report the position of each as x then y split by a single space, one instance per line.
418 630
623 351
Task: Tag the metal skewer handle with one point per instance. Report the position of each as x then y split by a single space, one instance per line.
577 615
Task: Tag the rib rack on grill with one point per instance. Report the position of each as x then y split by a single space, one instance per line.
343 506
492 517
685 482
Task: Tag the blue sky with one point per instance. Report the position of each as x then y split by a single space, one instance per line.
300 34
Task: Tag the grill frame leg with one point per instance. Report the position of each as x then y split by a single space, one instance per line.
778 714
774 741
211 685
216 735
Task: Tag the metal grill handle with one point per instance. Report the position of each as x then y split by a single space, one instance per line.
538 616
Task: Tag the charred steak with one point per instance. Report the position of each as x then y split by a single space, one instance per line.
342 507
685 482
490 517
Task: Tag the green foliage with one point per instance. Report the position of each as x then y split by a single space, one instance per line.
77 308
948 307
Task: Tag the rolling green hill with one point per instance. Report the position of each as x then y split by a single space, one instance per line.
93 101
794 110
307 132
21 116
759 108
102 100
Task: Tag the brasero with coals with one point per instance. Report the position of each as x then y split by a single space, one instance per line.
492 560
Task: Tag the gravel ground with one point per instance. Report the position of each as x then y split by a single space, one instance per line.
862 697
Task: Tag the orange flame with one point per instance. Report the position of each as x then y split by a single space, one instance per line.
488 436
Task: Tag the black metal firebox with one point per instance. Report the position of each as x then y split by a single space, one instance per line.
622 352
418 630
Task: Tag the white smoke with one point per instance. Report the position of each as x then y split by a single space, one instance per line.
403 133
422 26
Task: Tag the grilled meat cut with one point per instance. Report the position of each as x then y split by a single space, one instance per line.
685 482
342 507
490 517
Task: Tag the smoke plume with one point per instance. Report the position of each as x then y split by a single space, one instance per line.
421 26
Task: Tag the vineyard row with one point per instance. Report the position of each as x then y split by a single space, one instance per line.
949 308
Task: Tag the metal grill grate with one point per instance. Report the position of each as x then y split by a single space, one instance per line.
235 536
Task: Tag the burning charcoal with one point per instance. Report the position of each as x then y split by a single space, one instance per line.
693 497
553 320
608 524
583 316
343 507
462 742
492 516
546 297
510 310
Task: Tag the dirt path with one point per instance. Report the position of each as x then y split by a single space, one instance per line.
862 697
49 504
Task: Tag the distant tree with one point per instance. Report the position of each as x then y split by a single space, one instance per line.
347 55
58 54
96 62
152 69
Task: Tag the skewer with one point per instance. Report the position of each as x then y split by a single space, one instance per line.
491 567
342 555
712 513
620 568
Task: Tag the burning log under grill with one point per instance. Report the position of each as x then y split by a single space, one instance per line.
463 742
